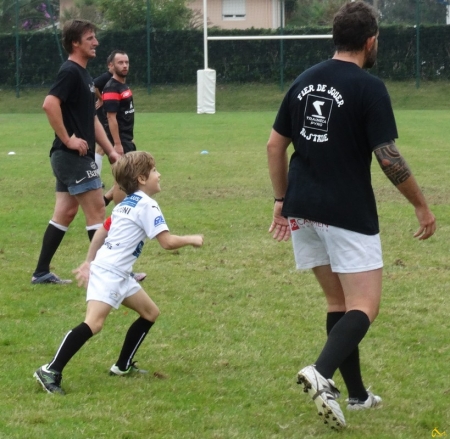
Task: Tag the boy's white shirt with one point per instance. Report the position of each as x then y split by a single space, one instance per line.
136 218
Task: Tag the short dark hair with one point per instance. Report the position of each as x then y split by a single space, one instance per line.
352 25
130 167
73 30
112 55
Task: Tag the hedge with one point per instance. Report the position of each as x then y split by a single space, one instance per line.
175 56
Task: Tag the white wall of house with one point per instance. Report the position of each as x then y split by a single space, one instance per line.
248 13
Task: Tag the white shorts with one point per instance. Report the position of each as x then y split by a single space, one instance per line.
109 287
317 244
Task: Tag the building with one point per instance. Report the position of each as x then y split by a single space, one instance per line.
230 14
241 14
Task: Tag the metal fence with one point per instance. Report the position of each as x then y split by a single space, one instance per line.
415 52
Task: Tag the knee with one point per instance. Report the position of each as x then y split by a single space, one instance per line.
96 327
155 314
65 217
373 314
151 314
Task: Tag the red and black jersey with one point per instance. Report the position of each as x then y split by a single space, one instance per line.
118 98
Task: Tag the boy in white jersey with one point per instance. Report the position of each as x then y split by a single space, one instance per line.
108 265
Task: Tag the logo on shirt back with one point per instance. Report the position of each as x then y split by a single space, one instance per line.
131 200
317 112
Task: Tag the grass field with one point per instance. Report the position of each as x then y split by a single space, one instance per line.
237 321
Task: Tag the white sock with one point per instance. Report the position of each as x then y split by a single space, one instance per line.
99 162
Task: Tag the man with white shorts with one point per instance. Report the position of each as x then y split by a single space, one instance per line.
337 115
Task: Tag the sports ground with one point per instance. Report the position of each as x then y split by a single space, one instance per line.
237 321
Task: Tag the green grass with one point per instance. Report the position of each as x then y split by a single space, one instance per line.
229 97
237 320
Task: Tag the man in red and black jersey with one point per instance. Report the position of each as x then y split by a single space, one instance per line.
99 84
118 106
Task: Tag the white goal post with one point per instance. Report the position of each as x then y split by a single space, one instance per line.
206 78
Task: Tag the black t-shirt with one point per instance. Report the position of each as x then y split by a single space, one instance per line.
336 114
75 88
118 98
102 80
99 83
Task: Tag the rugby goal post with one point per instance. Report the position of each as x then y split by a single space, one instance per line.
206 78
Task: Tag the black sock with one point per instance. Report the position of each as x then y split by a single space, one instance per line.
134 338
343 339
72 343
350 368
50 243
91 234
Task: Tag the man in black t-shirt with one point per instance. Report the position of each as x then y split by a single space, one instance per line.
119 109
336 115
70 109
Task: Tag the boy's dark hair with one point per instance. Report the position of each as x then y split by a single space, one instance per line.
72 32
112 55
352 25
131 166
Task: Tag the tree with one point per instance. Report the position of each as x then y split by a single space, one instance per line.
314 12
404 11
86 9
32 14
321 12
165 14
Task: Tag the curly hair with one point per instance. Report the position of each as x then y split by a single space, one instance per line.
352 25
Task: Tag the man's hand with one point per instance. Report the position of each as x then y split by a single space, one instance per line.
78 144
280 225
118 147
427 223
113 157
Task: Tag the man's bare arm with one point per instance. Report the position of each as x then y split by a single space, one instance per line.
392 163
397 170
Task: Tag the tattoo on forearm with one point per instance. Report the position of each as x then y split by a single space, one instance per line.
392 163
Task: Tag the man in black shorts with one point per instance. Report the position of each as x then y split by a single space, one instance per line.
119 108
336 115
70 109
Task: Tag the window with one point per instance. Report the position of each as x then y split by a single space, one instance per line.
233 9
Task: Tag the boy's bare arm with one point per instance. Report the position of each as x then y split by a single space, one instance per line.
82 272
171 242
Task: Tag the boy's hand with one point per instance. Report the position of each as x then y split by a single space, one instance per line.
82 274
197 240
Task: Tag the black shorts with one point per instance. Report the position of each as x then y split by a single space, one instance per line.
74 174
128 146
